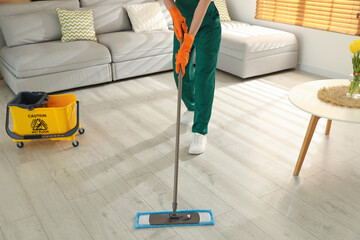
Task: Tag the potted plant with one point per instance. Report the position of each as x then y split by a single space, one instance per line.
354 89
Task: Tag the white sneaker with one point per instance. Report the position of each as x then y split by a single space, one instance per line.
198 144
187 117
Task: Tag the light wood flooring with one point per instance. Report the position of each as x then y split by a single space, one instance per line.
124 165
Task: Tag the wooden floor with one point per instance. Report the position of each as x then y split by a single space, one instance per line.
124 165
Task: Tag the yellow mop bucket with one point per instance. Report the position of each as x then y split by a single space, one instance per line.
37 115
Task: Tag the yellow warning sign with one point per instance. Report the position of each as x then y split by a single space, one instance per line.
38 125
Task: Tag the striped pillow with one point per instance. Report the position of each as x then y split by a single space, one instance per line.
76 25
223 11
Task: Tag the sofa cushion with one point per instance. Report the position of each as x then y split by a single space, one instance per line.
30 28
85 3
110 18
128 45
249 42
166 13
19 8
223 10
146 17
232 25
76 25
27 7
51 57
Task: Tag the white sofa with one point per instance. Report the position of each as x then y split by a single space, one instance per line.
52 66
46 64
247 50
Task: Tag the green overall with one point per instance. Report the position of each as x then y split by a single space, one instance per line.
199 86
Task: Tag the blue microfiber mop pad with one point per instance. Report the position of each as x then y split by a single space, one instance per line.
208 221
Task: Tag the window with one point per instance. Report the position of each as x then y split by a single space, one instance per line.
341 16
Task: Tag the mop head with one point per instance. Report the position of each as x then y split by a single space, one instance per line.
165 219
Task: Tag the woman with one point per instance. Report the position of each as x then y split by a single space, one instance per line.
198 87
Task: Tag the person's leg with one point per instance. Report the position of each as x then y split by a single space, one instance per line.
207 44
188 90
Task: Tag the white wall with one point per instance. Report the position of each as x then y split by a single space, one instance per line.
320 52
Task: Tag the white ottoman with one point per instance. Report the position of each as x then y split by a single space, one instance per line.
248 50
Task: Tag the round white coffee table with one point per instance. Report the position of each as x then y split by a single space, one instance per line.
304 96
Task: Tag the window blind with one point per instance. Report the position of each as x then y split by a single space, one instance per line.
341 16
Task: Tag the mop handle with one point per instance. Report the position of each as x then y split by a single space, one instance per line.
176 168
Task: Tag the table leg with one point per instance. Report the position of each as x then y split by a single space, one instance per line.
328 126
309 133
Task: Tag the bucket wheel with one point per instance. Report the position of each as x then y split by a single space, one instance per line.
20 144
75 143
81 130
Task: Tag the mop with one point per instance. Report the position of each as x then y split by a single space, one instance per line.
175 218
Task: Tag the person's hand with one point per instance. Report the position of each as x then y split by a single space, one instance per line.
179 22
182 57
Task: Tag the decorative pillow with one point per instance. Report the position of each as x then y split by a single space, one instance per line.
110 18
223 11
166 13
76 25
146 17
86 3
30 28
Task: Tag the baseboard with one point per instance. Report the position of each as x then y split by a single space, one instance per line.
323 72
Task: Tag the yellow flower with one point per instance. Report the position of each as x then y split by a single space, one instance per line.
352 48
355 46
